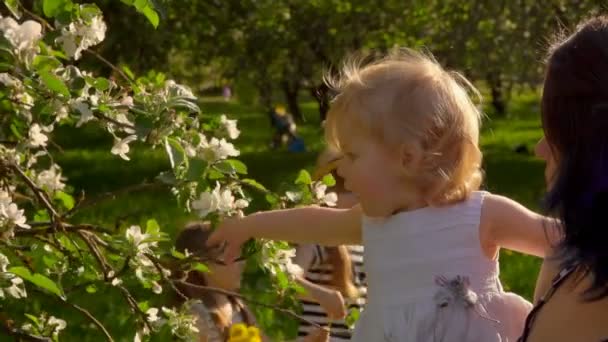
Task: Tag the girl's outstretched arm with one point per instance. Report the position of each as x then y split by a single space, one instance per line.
506 223
324 226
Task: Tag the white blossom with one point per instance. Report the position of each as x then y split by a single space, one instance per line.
121 146
116 281
23 37
329 199
59 324
79 36
5 198
182 326
229 127
127 101
217 149
137 238
51 179
61 113
218 199
37 138
156 288
122 118
178 90
17 289
10 81
14 215
86 114
241 203
205 204
4 262
152 314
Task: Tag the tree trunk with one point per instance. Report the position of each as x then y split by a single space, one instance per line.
265 90
321 94
291 89
498 101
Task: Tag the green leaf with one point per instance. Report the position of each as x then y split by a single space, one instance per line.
214 174
49 262
143 125
128 2
102 84
196 169
89 11
152 227
225 167
200 267
36 279
51 8
143 306
128 72
175 151
271 199
167 177
66 199
282 279
328 180
254 184
177 254
152 16
91 288
238 166
54 83
303 178
45 63
140 4
33 319
13 6
41 216
352 317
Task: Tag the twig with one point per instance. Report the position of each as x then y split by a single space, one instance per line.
91 318
134 306
102 263
109 119
112 195
109 64
66 228
38 192
37 17
6 325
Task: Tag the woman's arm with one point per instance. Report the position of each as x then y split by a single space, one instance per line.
330 299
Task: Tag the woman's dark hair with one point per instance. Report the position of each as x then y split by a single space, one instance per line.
193 239
575 120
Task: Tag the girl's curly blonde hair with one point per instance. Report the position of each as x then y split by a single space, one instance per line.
406 97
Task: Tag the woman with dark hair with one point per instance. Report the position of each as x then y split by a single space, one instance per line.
572 289
215 312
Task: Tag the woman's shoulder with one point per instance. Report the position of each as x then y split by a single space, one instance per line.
549 269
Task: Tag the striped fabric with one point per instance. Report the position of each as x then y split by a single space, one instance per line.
320 273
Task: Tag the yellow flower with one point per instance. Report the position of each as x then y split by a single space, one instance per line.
241 333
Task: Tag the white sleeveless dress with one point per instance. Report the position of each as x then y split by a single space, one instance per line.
413 262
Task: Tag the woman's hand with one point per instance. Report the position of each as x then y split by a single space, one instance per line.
332 302
319 335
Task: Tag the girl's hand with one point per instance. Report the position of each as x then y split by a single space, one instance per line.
319 335
333 303
233 234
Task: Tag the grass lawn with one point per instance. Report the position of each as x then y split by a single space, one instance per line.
88 164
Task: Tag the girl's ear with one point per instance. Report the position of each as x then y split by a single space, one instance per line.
410 156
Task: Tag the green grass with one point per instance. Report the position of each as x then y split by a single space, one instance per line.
88 165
